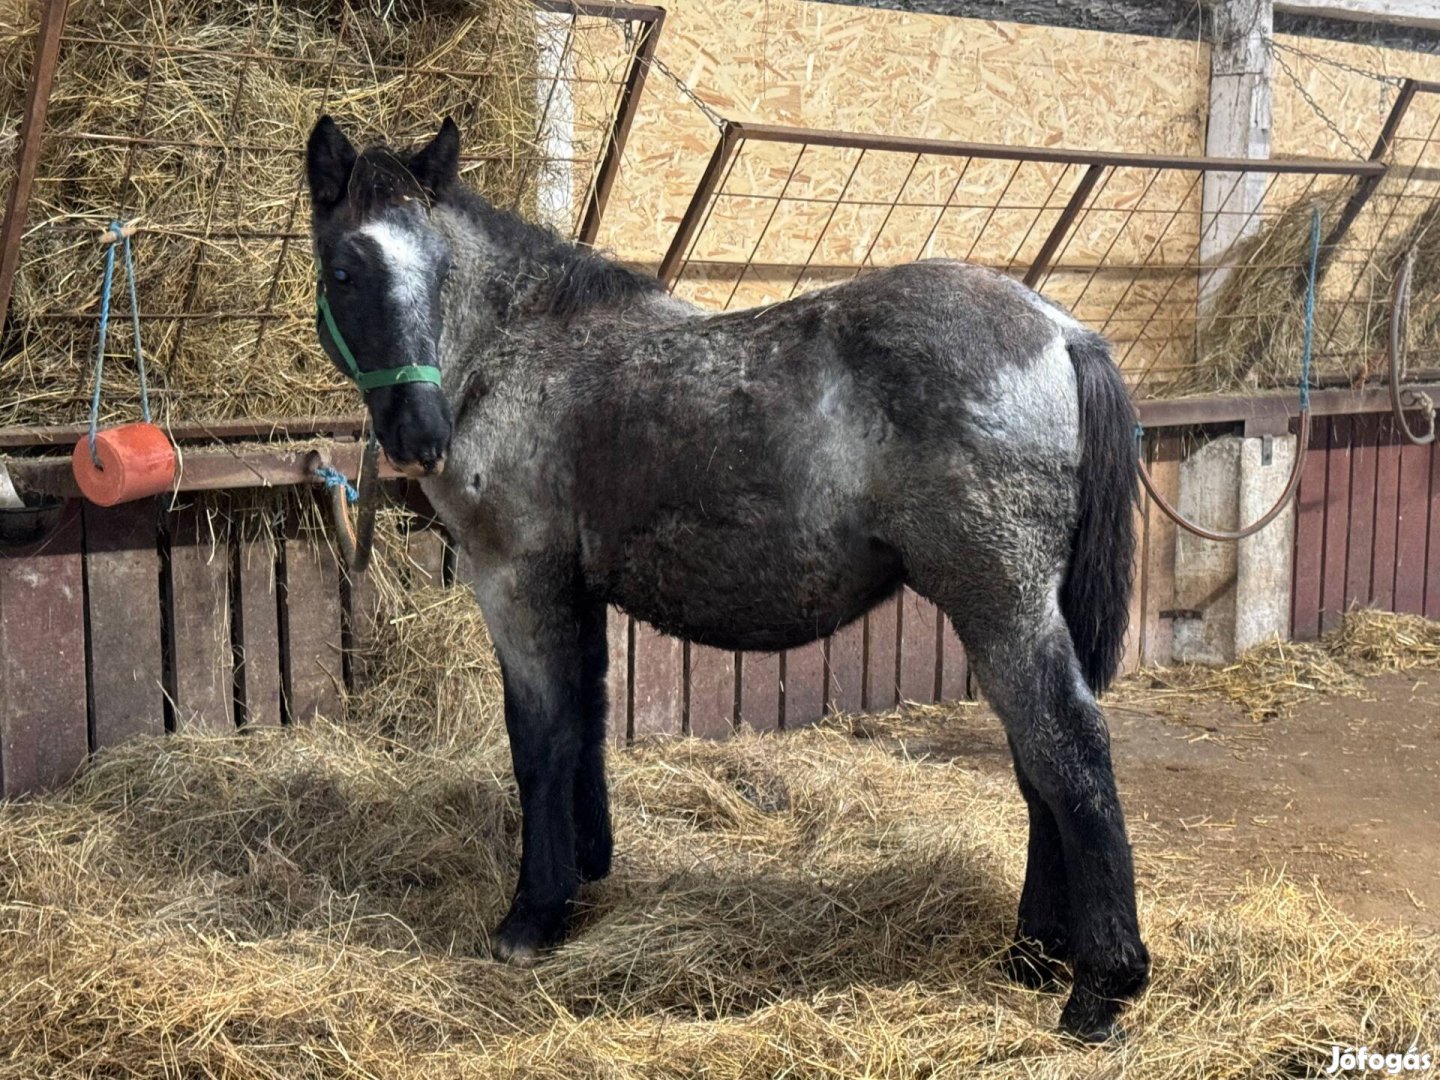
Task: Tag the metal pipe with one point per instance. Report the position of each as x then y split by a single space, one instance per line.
32 131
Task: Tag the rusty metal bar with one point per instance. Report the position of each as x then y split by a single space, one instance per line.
349 425
1368 184
32 131
312 61
205 470
1062 224
605 175
1194 412
690 220
996 151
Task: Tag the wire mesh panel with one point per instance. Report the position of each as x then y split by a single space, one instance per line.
192 118
1195 268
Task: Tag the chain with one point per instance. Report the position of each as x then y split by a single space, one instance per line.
1275 48
654 62
1315 58
1318 111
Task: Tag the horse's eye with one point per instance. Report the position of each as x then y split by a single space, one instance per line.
340 276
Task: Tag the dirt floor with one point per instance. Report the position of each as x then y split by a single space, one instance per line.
1344 794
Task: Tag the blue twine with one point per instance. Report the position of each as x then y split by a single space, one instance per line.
1309 308
1309 319
117 229
334 478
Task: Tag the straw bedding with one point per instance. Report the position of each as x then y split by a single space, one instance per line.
314 903
216 188
1270 679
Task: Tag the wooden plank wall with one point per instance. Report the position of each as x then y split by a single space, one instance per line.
1367 526
144 619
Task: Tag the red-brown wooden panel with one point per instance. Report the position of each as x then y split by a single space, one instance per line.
203 662
314 668
1361 547
954 668
1432 573
127 660
882 687
1412 525
760 691
258 626
712 692
1309 538
617 676
1387 516
845 668
43 722
1337 524
803 685
659 683
1158 642
918 647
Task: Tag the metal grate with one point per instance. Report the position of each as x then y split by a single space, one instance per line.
201 136
1194 267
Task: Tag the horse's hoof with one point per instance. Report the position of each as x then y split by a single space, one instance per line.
1091 1019
515 954
1026 963
1111 1035
521 938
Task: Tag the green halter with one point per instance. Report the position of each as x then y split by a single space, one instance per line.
368 380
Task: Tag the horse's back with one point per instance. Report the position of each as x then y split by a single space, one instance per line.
788 451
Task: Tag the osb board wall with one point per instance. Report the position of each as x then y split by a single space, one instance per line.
819 65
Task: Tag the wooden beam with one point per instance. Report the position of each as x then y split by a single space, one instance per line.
1422 14
1238 126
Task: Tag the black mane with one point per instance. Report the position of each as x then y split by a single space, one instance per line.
565 279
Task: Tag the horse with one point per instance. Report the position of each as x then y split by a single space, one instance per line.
750 480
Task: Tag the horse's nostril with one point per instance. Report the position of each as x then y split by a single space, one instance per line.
434 466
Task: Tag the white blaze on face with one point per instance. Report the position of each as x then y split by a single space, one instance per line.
405 267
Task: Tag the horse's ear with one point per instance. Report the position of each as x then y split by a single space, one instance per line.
437 164
329 158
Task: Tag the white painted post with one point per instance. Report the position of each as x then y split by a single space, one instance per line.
1232 596
1238 126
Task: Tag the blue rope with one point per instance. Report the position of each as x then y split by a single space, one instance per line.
334 478
117 229
1309 308
1305 354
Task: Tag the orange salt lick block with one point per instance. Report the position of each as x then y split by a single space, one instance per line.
136 460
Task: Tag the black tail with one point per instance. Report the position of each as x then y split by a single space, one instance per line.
1095 598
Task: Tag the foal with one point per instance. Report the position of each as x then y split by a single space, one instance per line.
751 480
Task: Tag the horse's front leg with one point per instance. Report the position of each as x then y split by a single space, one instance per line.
540 621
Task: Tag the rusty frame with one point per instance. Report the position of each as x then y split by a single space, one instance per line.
735 134
1081 199
51 35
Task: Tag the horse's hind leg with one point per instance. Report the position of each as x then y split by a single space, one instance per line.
593 843
1042 935
1026 666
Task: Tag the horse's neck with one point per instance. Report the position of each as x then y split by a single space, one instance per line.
486 326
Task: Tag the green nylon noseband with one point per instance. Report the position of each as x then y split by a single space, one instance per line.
369 380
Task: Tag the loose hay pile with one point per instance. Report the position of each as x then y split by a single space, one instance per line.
314 903
191 116
1253 335
1272 678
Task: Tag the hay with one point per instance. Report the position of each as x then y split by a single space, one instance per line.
1252 338
314 903
222 227
1271 679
